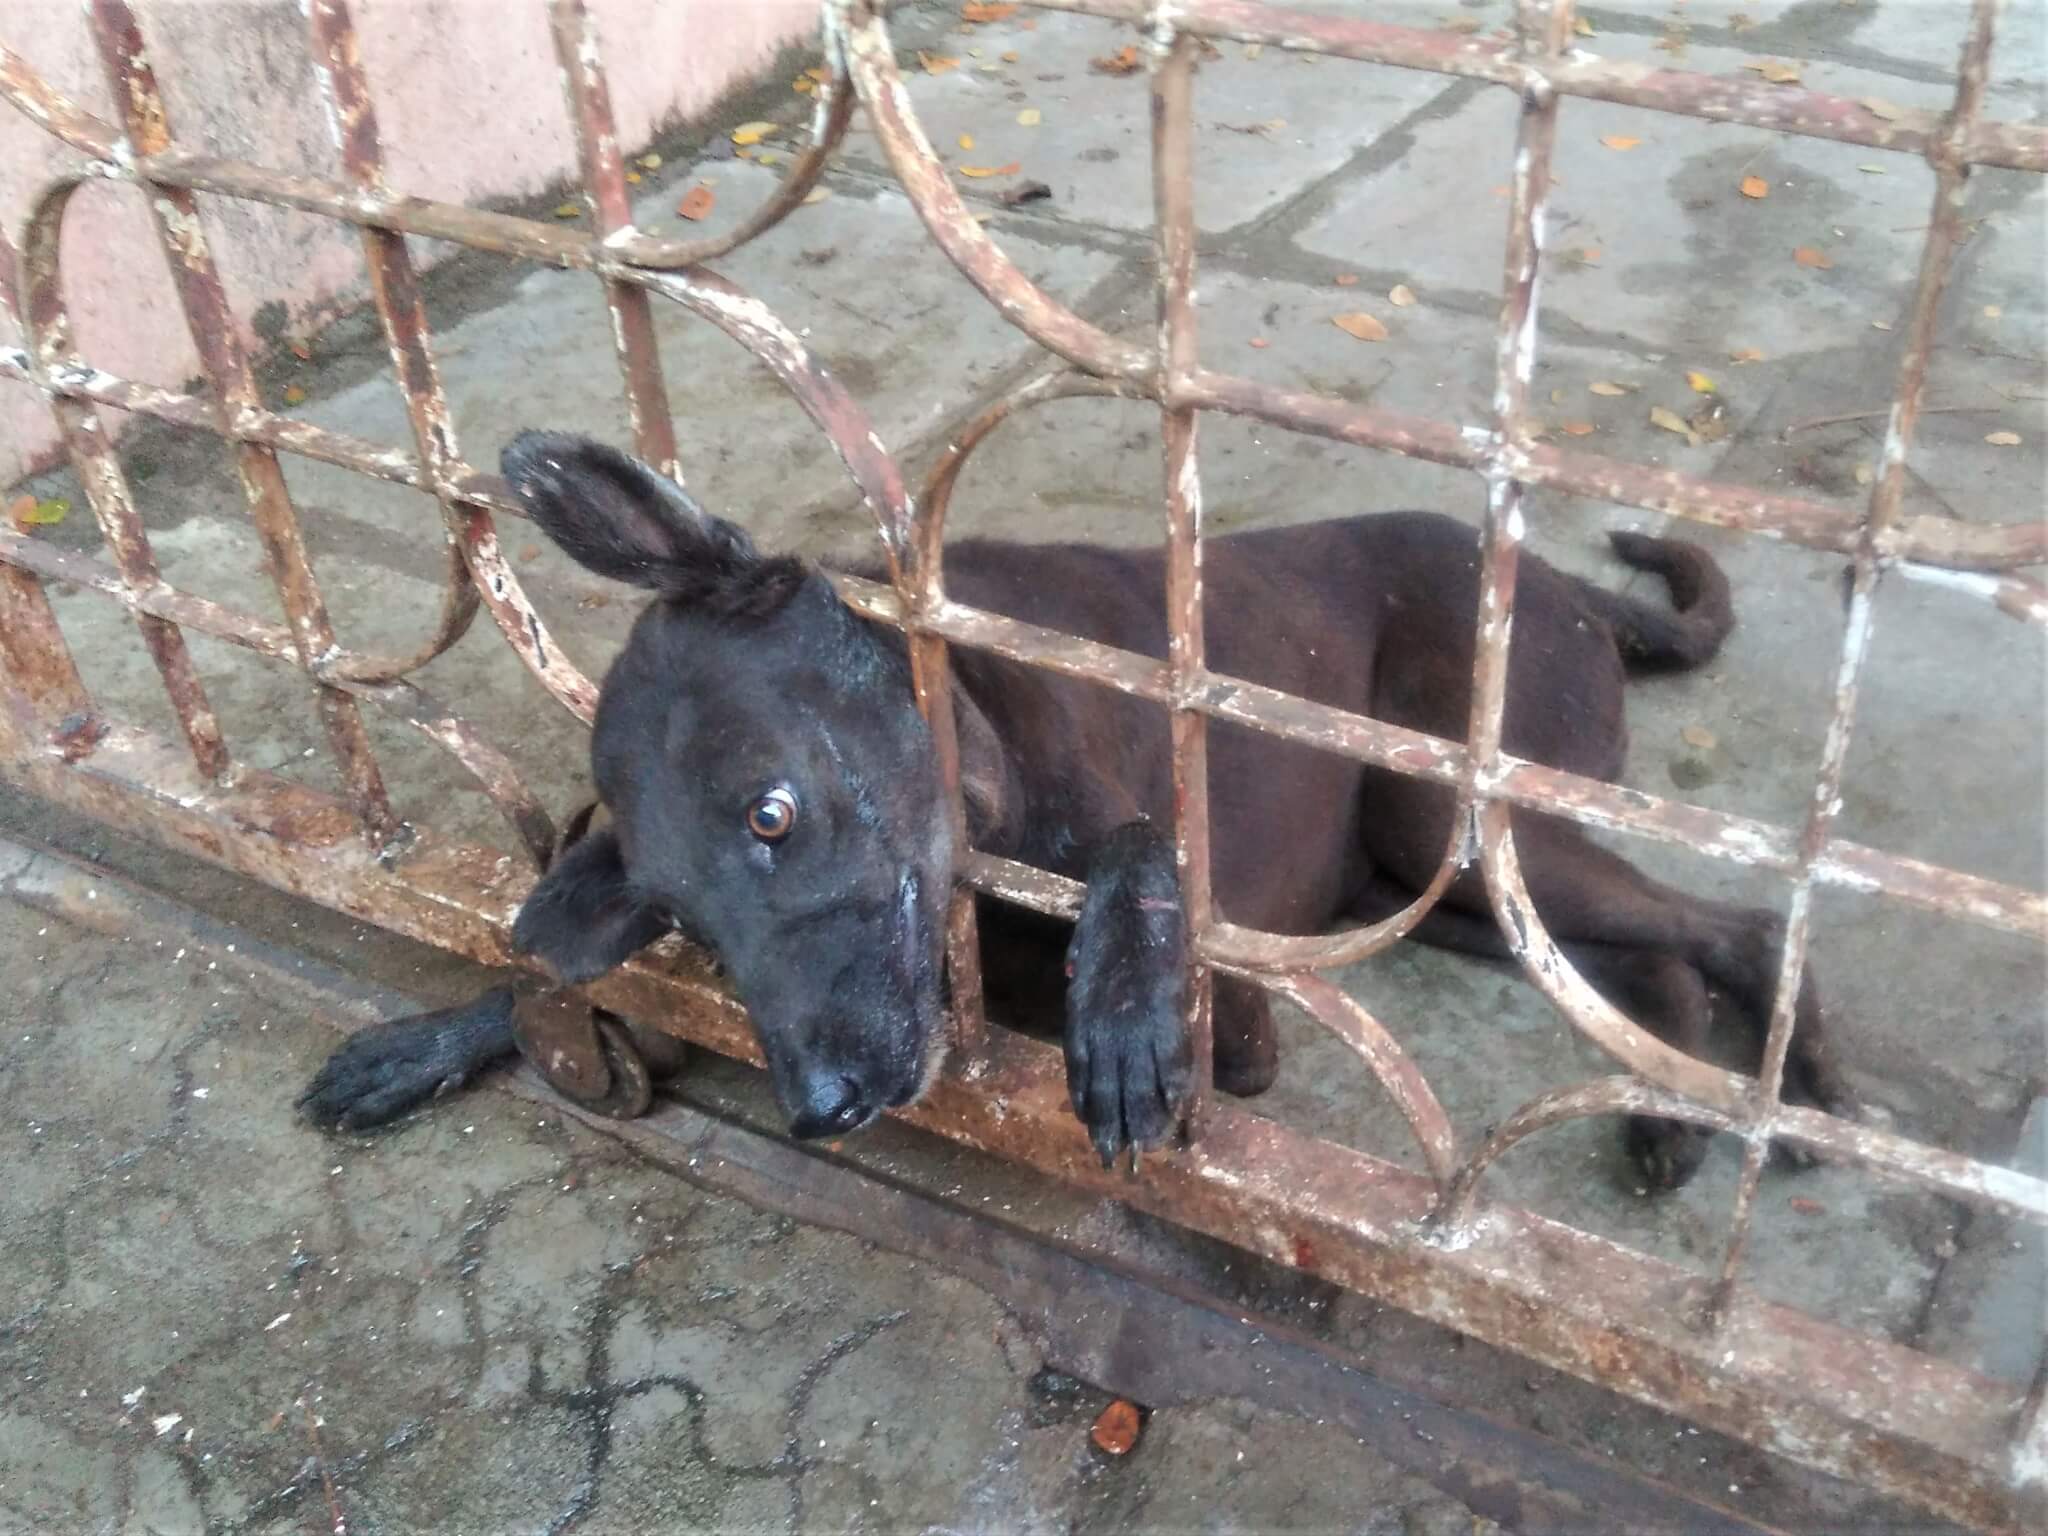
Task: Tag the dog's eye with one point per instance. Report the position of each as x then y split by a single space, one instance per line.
770 817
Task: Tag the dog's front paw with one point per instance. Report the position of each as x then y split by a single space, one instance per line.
1129 1060
384 1071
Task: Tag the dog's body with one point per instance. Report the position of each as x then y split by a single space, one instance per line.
751 679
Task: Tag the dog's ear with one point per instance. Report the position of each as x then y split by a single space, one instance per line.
583 918
616 516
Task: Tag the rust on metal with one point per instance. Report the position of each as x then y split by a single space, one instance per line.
1699 1343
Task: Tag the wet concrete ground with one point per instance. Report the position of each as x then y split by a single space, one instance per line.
1310 172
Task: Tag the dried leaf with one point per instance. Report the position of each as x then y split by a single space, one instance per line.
1576 428
1253 50
1604 388
294 394
1116 1429
302 350
1582 26
2003 439
1400 296
803 85
979 171
1746 355
1806 1207
1619 141
1755 186
981 13
936 63
1880 325
1030 117
27 512
1360 324
817 195
1346 279
1260 342
1865 474
1871 170
696 203
1812 256
1992 311
1123 62
1877 106
568 210
1698 736
966 141
753 133
819 73
650 161
767 157
1700 382
1671 421
1777 71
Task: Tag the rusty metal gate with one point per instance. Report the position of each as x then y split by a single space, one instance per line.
1899 1420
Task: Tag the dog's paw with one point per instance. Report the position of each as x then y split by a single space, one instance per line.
1667 1153
384 1071
1129 1059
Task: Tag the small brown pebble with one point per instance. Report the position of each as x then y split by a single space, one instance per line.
1116 1429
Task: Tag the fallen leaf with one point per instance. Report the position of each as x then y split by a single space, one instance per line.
767 157
1116 1429
752 133
1992 311
302 350
27 512
936 63
1755 186
696 203
1260 342
1777 71
528 553
294 395
1584 255
1400 296
1030 117
633 178
1358 323
1123 62
979 171
1698 736
1877 106
1810 256
1865 474
1582 26
966 141
1880 325
568 210
1746 355
1605 388
819 73
1871 170
1700 382
1462 24
1806 1207
817 194
803 85
2003 439
1577 428
981 13
1671 421
1619 141
1253 50
650 161
1346 279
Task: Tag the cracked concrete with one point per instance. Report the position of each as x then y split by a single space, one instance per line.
507 1323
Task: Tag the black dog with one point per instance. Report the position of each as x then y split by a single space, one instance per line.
774 795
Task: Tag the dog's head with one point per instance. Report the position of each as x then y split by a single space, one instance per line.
772 788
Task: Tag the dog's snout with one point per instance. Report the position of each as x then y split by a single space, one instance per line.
832 1103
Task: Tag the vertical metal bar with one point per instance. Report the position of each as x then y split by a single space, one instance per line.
1944 231
611 212
1173 200
212 325
401 309
46 327
43 703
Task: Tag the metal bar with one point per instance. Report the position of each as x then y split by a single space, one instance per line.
1944 232
31 292
212 324
611 216
1172 60
1893 1418
44 706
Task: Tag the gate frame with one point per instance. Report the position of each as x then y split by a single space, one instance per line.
1953 1441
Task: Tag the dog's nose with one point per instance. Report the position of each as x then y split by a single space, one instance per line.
833 1103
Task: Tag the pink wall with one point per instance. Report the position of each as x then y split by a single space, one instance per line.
470 107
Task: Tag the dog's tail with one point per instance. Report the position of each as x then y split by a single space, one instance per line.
1690 632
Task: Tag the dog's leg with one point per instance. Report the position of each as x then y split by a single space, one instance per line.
1668 996
1247 1043
386 1070
1129 1064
